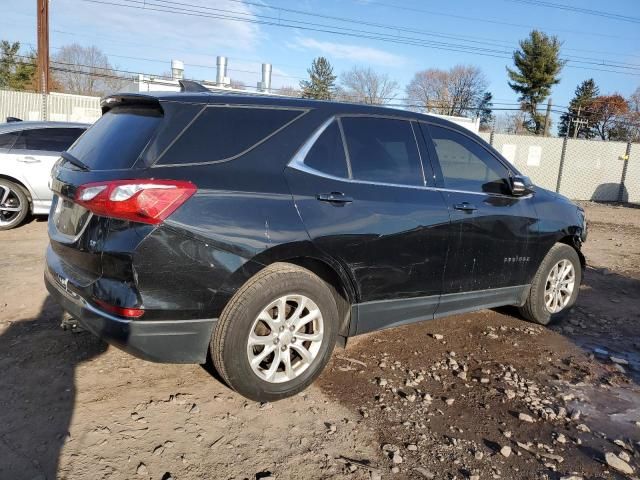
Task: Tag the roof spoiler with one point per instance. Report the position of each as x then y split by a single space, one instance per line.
191 86
13 119
129 99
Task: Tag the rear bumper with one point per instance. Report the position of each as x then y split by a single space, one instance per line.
167 341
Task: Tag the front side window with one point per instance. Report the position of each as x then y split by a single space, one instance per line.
222 133
383 150
47 139
327 154
466 165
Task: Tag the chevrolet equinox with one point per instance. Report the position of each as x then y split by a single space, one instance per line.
260 231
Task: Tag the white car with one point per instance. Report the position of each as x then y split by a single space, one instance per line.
28 151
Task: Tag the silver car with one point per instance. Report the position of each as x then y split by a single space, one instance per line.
28 151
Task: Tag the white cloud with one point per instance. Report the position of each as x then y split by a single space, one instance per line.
364 55
197 31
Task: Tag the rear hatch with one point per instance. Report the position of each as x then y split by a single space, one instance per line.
105 202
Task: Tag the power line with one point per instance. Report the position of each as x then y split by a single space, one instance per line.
394 28
487 20
359 33
587 11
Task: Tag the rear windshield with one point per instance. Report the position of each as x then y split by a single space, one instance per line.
116 140
223 133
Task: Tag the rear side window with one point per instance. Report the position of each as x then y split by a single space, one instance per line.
8 139
327 154
116 140
47 139
465 164
382 150
222 133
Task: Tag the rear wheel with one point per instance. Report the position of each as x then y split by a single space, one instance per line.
276 334
14 204
554 289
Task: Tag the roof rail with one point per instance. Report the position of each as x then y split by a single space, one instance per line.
191 86
13 119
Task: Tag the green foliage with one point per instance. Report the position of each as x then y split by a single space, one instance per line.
484 111
321 83
584 94
537 66
16 73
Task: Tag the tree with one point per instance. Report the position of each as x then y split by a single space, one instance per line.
364 85
86 71
607 114
511 122
537 66
288 91
584 94
633 117
17 72
237 84
484 112
458 91
321 83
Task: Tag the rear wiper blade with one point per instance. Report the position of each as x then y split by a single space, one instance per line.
74 161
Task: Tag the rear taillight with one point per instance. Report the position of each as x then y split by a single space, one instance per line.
145 201
120 311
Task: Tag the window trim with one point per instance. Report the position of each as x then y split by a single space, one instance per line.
297 161
303 111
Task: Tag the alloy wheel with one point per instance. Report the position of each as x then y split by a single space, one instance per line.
285 338
10 205
559 287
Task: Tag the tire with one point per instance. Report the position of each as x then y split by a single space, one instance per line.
12 196
230 349
535 308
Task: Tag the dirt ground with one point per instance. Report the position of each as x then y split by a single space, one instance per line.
480 396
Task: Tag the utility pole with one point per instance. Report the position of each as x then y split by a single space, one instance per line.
547 118
577 123
43 47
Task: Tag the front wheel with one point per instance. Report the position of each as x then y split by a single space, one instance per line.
555 287
276 334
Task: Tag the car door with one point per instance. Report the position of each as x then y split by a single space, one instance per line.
36 151
491 248
361 191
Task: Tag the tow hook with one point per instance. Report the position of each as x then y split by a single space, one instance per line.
70 323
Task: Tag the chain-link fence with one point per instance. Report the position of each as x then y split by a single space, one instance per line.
579 169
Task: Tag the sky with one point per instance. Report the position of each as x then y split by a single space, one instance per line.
397 37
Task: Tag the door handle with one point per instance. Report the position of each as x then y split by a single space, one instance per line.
29 160
465 207
336 198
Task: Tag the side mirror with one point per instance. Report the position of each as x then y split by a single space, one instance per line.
520 186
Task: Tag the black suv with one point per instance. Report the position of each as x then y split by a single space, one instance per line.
261 231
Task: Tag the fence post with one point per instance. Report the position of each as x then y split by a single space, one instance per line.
623 179
561 168
491 137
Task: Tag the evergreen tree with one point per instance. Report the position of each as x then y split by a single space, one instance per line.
16 72
537 66
584 94
321 83
484 111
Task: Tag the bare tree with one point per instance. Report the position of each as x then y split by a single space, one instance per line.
86 71
364 85
511 122
457 92
237 84
288 91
